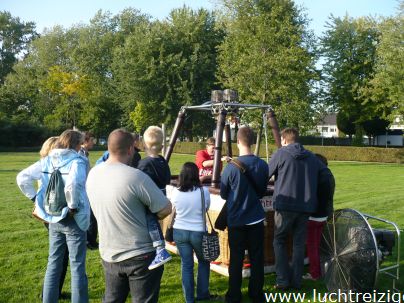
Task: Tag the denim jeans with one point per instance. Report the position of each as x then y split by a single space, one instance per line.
64 269
66 232
154 228
132 274
250 237
286 222
187 243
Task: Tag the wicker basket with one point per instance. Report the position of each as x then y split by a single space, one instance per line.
223 240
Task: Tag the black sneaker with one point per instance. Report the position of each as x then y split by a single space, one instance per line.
92 246
211 298
64 296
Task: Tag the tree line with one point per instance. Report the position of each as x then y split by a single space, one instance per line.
130 70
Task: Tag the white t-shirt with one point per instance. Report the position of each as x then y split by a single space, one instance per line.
188 206
119 196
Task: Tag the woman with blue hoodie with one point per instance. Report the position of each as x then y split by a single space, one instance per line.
68 228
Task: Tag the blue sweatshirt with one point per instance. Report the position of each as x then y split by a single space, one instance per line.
296 172
243 198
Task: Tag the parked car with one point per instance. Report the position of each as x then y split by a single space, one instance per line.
102 141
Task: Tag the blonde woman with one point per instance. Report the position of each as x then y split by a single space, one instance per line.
69 228
36 169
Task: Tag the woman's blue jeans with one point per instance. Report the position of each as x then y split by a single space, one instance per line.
187 243
66 232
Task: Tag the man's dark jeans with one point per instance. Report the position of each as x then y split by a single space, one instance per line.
296 223
250 237
132 275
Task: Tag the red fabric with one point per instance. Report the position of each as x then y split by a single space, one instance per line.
202 156
314 230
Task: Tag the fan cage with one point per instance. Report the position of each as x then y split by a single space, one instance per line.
349 254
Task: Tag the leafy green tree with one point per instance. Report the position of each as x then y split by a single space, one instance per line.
374 127
66 79
349 48
386 90
268 57
70 89
18 94
345 123
166 64
93 57
51 65
14 37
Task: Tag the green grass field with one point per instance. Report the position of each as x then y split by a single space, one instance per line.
376 189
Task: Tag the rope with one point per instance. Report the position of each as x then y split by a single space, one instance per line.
264 116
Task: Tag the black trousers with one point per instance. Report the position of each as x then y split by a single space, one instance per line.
92 231
250 237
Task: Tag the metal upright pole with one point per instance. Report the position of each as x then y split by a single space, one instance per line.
258 142
227 131
174 135
218 148
275 127
163 128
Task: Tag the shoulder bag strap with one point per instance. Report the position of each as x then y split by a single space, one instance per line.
172 218
55 167
237 163
204 212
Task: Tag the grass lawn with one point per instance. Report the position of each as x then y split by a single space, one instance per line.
375 189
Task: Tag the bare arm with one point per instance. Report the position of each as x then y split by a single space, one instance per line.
207 163
165 211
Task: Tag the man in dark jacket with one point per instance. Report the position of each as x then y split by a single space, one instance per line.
242 190
296 172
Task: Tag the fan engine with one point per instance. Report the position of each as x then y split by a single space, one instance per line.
351 252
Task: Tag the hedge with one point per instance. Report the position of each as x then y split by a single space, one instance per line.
332 153
21 134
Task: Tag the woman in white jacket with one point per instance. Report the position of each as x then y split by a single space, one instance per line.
68 228
23 181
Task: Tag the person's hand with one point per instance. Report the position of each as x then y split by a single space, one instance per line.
72 212
226 158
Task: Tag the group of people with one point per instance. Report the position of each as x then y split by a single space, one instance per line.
127 203
302 201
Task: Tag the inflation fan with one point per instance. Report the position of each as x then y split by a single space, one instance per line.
352 252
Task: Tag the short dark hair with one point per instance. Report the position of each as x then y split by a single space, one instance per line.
69 139
245 135
290 134
189 177
119 141
87 136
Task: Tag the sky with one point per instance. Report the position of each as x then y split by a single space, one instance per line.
47 13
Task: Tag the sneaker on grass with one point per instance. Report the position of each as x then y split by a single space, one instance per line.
162 256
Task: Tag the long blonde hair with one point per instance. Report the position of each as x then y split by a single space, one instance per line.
47 146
